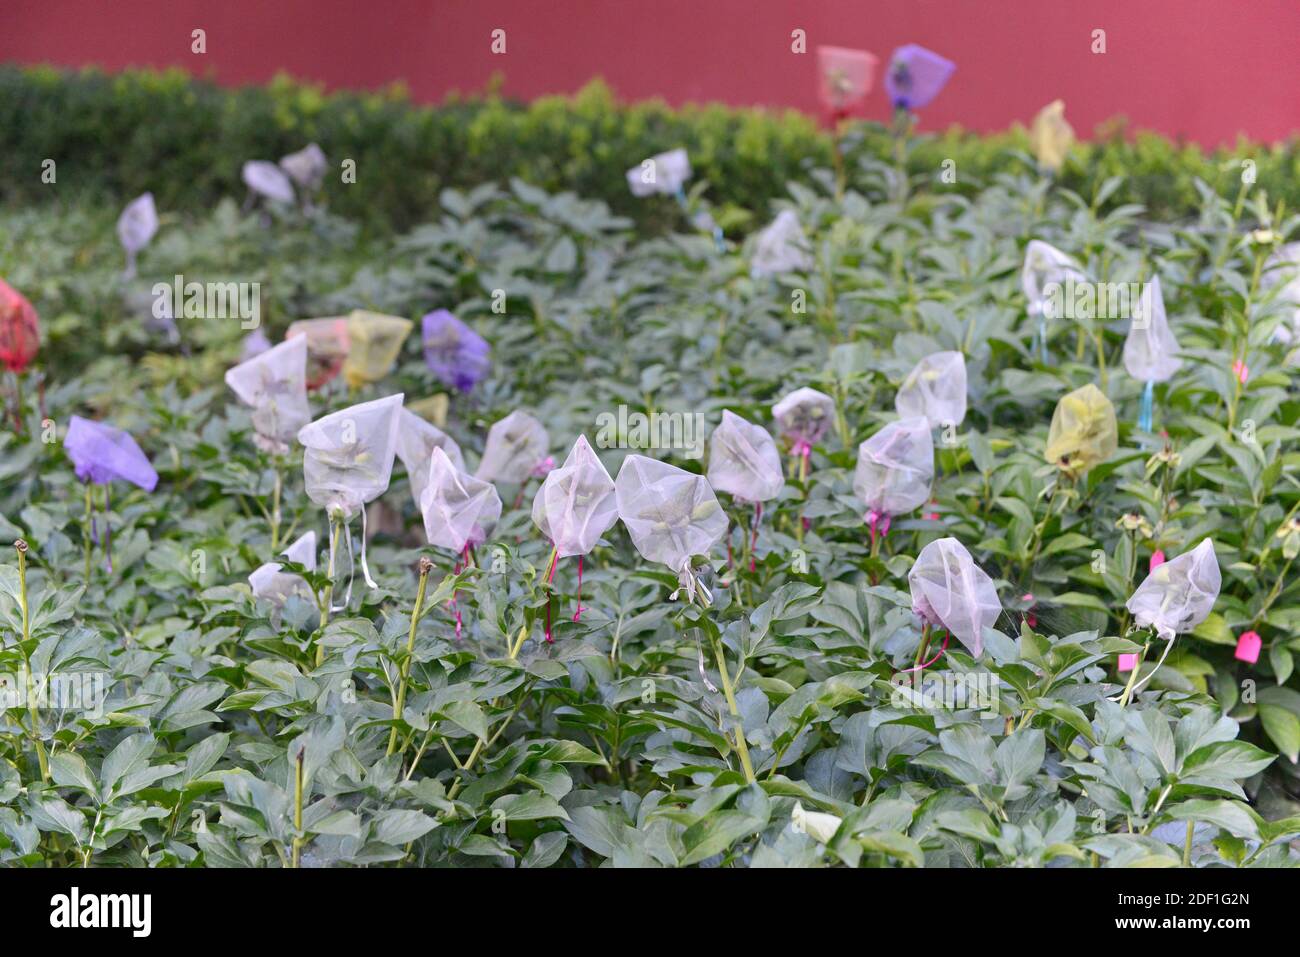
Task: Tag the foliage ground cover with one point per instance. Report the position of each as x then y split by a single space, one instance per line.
767 729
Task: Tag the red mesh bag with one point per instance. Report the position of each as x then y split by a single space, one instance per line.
20 331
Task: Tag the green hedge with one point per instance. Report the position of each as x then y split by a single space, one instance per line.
114 136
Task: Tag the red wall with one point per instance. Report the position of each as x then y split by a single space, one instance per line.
1206 70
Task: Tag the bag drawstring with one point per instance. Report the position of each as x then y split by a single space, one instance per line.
365 569
704 674
352 569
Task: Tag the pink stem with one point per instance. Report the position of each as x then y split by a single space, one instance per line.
922 667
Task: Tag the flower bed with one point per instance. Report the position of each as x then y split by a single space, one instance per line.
887 542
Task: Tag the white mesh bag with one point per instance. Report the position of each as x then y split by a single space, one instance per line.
275 586
950 591
662 173
1045 265
804 416
576 505
935 389
515 450
1151 351
896 467
274 384
135 227
743 460
670 514
459 510
416 440
781 247
307 167
267 180
349 457
1179 594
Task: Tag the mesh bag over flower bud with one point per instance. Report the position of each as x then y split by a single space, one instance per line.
671 514
1051 136
935 389
458 355
254 344
781 247
275 586
135 227
804 416
327 346
950 591
1046 265
268 180
576 505
20 330
1151 351
743 460
515 450
1178 595
274 384
458 509
896 467
374 342
1083 432
349 457
846 77
307 167
416 440
102 453
915 76
664 173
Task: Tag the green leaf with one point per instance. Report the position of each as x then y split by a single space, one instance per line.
1233 816
1283 728
532 806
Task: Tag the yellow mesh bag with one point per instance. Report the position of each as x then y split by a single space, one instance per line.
374 341
1083 432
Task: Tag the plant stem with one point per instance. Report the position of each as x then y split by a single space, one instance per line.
335 527
275 508
741 747
43 760
478 745
1133 675
297 810
85 530
41 757
924 647
425 566
1187 846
